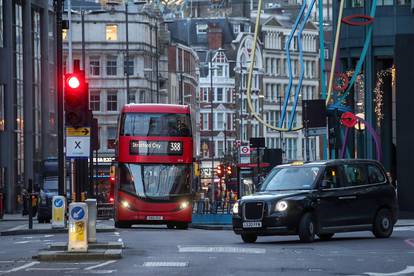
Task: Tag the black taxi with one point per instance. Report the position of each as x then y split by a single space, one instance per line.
319 198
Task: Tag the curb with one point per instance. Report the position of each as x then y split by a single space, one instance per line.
46 231
53 256
211 227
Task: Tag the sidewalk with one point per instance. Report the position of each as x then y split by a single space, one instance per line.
46 228
14 217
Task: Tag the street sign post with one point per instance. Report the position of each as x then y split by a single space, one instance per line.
78 142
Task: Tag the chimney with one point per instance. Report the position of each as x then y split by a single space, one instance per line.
215 37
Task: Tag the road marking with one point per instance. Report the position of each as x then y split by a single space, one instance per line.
408 269
101 271
48 236
119 240
410 242
404 228
219 249
100 265
22 267
165 264
27 237
51 268
21 242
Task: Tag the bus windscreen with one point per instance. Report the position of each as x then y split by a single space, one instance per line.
155 180
154 124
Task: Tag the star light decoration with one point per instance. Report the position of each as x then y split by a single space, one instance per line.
379 93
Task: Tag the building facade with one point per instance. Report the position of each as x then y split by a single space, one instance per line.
28 121
275 32
383 90
117 75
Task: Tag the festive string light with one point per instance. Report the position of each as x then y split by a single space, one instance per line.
379 93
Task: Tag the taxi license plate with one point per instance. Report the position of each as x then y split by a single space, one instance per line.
252 224
155 217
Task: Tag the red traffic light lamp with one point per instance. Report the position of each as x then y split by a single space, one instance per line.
229 170
220 170
73 82
76 99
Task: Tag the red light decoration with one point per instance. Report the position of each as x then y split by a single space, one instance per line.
341 82
348 119
111 199
366 20
73 82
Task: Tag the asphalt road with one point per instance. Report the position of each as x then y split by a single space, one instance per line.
159 251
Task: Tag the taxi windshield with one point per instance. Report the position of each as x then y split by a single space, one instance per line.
291 178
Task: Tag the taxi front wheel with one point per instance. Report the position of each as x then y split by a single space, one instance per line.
249 238
383 224
307 228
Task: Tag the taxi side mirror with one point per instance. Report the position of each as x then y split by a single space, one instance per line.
325 184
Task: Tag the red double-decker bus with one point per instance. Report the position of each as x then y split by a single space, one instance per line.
154 166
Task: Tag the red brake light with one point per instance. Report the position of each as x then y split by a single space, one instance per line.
111 199
73 82
112 178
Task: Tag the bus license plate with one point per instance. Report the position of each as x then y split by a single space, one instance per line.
155 217
252 224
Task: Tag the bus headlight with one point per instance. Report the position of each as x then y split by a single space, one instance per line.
281 206
125 204
236 208
184 205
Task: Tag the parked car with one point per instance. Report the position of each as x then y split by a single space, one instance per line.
319 198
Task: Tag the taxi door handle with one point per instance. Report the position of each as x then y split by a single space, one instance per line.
347 197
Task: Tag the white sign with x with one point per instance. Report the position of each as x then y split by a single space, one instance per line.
77 146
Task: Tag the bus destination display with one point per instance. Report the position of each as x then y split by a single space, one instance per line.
150 148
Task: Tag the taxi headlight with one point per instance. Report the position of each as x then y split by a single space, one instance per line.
236 208
125 204
184 205
281 206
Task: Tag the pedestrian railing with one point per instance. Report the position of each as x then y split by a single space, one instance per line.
217 207
105 210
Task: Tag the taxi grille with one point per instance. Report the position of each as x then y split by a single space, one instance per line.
253 210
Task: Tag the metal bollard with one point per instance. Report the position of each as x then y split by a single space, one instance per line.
92 215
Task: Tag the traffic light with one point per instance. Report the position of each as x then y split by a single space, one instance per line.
229 171
76 100
220 171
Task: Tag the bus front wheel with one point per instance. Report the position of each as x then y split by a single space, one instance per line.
122 224
182 225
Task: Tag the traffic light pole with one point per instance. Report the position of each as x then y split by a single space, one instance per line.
58 5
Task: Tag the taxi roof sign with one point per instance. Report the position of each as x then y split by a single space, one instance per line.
298 163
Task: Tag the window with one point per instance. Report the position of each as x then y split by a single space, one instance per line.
375 175
332 178
205 120
111 66
355 175
219 71
2 107
202 28
130 68
236 28
142 96
111 136
385 2
64 33
111 32
95 101
357 3
219 95
131 97
403 2
111 101
204 93
94 66
220 148
219 121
